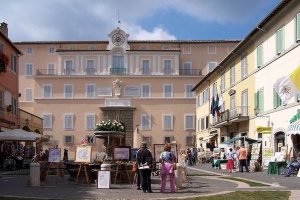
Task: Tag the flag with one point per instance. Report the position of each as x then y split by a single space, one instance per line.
289 86
217 108
212 107
220 100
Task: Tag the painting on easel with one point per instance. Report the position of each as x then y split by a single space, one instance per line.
54 155
83 154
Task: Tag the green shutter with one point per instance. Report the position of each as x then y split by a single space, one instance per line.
275 102
279 41
298 97
259 55
260 101
297 27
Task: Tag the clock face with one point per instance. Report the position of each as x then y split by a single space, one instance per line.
118 39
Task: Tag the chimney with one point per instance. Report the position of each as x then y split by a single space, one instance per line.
4 29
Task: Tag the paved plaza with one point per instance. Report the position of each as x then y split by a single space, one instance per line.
62 188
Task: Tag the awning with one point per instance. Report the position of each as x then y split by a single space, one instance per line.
208 137
294 128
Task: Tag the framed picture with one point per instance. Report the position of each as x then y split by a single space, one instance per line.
266 162
54 155
122 153
83 154
159 148
268 152
103 180
133 153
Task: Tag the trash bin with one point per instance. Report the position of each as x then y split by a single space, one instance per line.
35 175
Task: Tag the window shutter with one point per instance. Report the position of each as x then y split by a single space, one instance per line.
298 27
260 100
259 55
279 41
298 97
275 102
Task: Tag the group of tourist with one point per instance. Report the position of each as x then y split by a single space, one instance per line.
144 161
190 156
241 160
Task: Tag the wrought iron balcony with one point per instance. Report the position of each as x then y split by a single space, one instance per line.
190 72
239 113
118 70
222 120
167 71
90 71
145 71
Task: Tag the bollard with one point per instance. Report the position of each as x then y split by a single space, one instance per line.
178 175
35 175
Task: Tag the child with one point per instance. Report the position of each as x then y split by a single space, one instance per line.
229 164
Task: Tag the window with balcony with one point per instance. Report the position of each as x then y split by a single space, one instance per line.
90 91
188 91
146 67
50 69
168 91
68 122
146 91
90 67
167 122
29 69
279 41
69 67
47 91
146 122
47 121
187 68
118 63
68 91
90 122
28 95
167 67
259 55
244 103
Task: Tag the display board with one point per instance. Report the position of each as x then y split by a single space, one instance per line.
159 148
54 155
133 153
255 151
83 154
122 153
103 180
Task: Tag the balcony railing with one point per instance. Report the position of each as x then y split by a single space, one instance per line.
224 116
118 70
238 111
190 72
114 71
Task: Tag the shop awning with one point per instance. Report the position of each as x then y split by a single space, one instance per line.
294 128
208 137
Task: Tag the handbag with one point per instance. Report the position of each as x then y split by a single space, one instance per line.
134 167
174 166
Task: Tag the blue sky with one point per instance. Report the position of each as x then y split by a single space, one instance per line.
56 20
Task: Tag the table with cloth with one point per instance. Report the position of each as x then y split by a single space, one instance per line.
274 167
217 162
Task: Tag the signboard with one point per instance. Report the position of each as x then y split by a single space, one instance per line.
159 148
264 130
103 180
83 154
54 155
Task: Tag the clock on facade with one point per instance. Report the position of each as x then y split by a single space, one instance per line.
118 39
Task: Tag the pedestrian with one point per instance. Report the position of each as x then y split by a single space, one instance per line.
237 168
138 181
144 160
293 165
243 159
167 158
229 164
189 156
66 157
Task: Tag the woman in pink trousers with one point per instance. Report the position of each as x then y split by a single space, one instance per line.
167 158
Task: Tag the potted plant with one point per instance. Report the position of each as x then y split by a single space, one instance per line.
3 62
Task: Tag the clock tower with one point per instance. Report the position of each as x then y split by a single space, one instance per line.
118 39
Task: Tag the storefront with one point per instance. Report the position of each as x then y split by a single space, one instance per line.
294 136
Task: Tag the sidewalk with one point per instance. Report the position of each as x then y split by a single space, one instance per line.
62 188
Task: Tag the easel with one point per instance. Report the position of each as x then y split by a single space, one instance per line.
48 169
86 175
119 167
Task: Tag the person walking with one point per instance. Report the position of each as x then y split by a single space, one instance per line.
189 156
144 160
237 168
167 158
243 159
229 164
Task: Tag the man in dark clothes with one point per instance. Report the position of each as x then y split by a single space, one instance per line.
144 160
